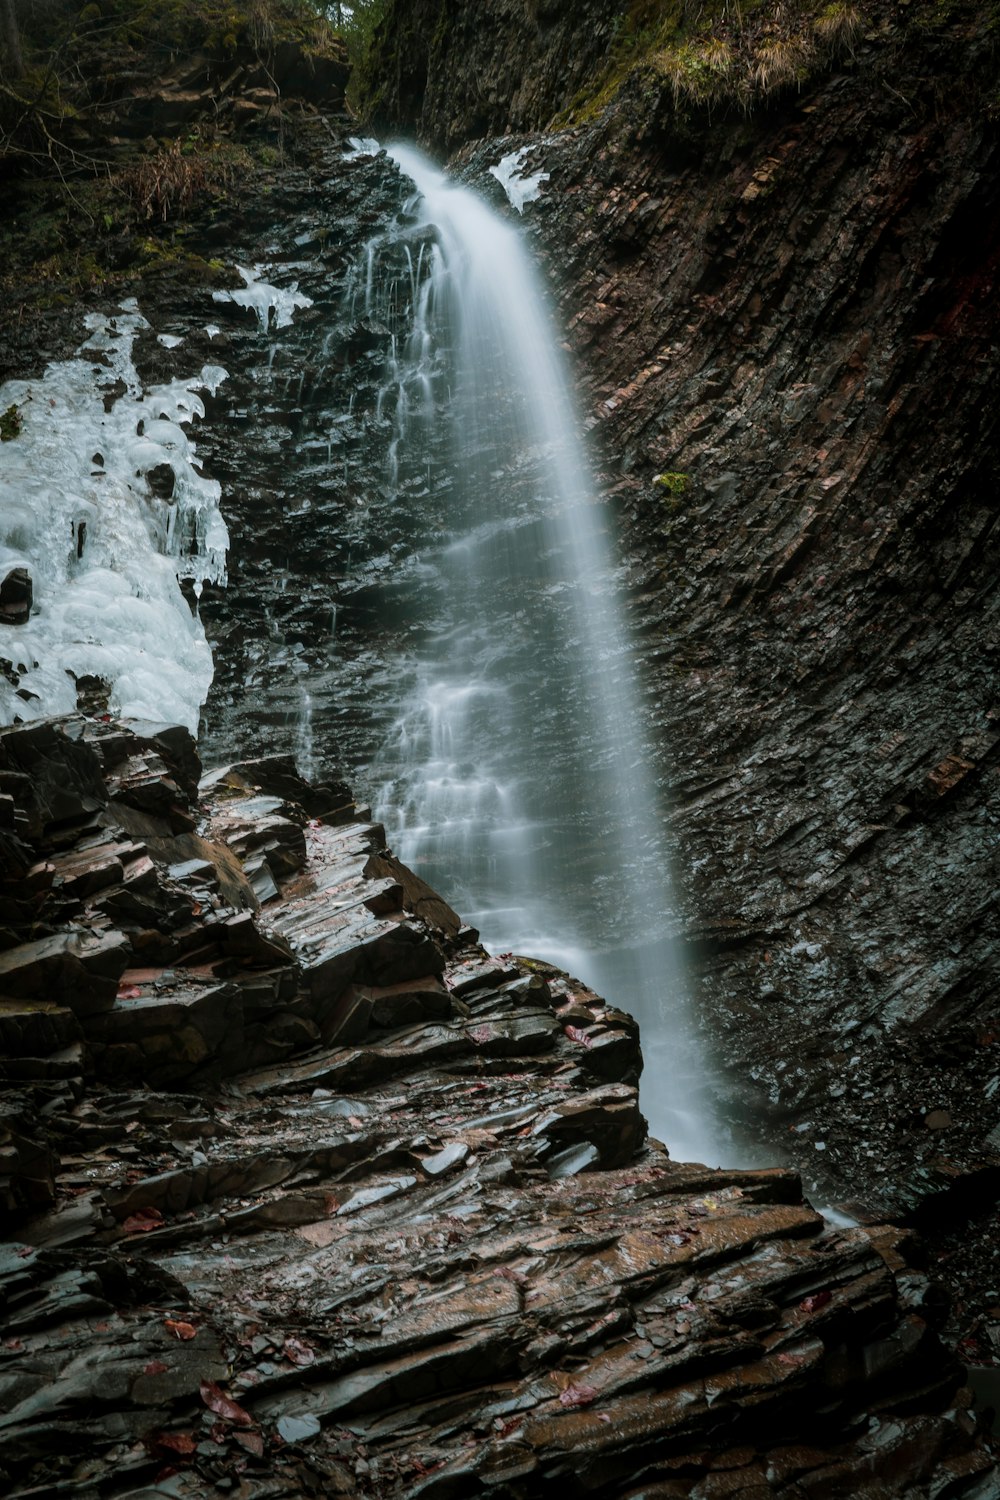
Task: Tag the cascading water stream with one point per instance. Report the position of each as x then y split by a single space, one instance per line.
517 779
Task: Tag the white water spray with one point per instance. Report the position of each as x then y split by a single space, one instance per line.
517 777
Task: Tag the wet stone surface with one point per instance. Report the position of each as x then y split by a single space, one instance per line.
394 1227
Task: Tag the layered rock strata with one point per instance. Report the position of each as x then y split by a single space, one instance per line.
305 1192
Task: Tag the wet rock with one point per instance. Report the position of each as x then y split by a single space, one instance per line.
74 969
170 1038
67 786
16 596
161 480
464 1268
28 1165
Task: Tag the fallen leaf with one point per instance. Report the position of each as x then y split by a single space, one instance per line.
143 1220
421 1469
155 1367
252 1442
180 1330
814 1303
172 1442
216 1400
509 1274
576 1035
298 1352
129 992
577 1395
504 1429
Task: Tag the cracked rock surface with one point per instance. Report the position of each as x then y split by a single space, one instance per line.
313 1195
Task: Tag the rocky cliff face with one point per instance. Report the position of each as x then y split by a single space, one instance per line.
455 72
791 319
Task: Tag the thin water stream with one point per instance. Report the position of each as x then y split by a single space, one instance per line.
516 778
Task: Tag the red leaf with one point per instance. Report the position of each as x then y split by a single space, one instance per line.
813 1304
252 1442
298 1352
504 1429
216 1400
180 1330
129 992
172 1442
155 1367
143 1220
576 1035
577 1395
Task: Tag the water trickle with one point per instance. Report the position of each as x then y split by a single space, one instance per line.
305 750
516 778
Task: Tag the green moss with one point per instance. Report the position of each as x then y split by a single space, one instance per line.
673 483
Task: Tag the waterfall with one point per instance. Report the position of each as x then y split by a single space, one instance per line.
517 778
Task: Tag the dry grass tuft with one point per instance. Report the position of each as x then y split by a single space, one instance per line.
164 186
837 27
781 62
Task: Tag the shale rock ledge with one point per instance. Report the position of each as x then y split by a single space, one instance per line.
308 1194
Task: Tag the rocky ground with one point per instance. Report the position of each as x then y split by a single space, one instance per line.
304 1192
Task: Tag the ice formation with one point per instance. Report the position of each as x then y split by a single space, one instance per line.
361 145
103 551
519 189
265 299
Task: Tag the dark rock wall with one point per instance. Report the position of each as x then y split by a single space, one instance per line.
796 312
806 330
455 71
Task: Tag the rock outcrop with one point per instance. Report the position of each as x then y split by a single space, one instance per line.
306 1191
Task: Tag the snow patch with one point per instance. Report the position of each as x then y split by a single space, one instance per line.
519 188
103 551
361 146
264 299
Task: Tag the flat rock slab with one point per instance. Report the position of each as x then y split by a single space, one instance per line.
74 969
167 1038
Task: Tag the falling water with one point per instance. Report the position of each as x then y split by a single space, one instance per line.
516 778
